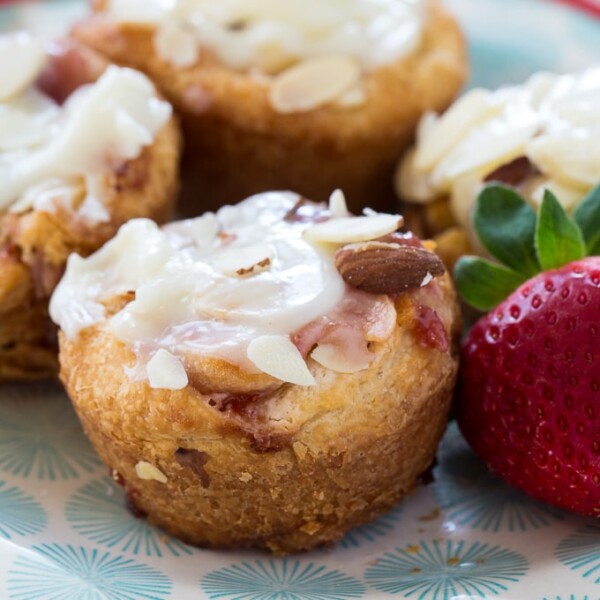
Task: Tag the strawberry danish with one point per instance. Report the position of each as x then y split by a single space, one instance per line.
83 147
302 94
268 376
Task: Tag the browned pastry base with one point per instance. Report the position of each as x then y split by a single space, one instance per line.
291 471
34 245
238 145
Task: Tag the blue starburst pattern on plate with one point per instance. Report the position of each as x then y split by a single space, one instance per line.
442 570
46 440
371 531
571 597
98 511
59 572
281 580
474 497
581 551
19 514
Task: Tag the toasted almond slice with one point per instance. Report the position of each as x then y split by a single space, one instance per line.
146 470
277 356
337 205
313 83
355 96
165 371
22 57
347 230
250 260
570 161
412 185
334 358
176 44
484 150
440 137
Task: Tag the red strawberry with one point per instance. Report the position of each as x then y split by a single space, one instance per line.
529 396
530 387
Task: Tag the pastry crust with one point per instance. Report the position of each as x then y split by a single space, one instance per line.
35 245
289 471
237 145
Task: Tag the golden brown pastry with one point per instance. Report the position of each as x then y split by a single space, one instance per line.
540 135
83 148
289 95
269 376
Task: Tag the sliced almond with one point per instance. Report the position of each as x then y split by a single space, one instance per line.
570 161
337 205
412 185
176 45
340 361
313 83
241 262
440 137
165 371
277 356
483 151
354 97
22 57
347 230
382 268
147 471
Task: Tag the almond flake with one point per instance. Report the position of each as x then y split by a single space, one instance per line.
439 137
147 471
354 97
277 356
346 230
331 357
337 205
176 45
22 57
426 279
249 260
569 160
313 83
165 371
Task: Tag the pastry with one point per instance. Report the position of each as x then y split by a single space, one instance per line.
536 136
83 148
267 376
289 95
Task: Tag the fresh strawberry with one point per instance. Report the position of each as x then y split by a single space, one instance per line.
529 396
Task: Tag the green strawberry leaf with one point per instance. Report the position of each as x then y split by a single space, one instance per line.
505 224
587 216
558 239
484 284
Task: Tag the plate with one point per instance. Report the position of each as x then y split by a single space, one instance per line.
66 534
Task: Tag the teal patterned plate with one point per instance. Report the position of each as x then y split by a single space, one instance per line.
65 533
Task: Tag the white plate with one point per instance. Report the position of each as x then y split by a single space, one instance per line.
65 533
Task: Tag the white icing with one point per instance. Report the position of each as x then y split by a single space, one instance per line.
50 154
274 33
553 120
190 297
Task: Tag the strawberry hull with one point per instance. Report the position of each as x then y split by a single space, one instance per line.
529 401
